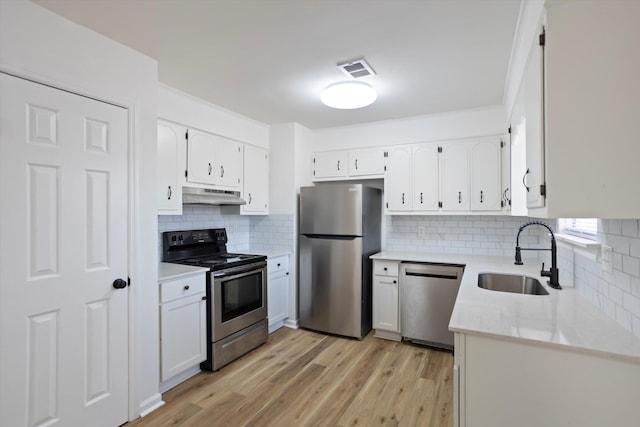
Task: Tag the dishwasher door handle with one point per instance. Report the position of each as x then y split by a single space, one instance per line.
434 275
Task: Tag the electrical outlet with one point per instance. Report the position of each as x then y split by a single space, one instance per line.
606 258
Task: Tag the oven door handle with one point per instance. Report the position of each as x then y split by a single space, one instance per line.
238 272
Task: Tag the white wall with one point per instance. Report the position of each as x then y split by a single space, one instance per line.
432 127
179 107
38 44
282 169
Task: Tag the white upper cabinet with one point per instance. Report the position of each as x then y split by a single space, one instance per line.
398 179
454 176
485 175
330 164
425 177
256 181
581 96
171 147
533 179
362 163
214 160
366 162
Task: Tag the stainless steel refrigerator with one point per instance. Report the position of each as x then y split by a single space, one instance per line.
339 230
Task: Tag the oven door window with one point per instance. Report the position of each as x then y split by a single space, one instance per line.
241 295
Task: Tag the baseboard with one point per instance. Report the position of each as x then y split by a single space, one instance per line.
151 404
275 326
177 379
291 323
393 336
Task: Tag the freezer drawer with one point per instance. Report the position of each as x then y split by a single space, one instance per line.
331 297
428 293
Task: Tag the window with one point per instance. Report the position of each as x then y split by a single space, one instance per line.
581 227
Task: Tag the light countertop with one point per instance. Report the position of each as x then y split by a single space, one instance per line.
269 253
170 271
561 319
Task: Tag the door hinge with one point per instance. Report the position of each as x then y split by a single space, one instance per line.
387 205
314 172
509 130
385 168
501 144
542 38
386 154
439 149
128 281
186 134
314 160
186 173
543 190
439 204
502 203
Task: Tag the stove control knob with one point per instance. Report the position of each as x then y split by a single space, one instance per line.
180 237
174 238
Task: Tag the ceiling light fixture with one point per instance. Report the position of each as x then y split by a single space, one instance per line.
348 95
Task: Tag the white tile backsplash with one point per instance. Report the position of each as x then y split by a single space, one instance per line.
617 293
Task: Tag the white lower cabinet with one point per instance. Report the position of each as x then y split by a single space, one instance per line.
507 383
277 291
183 324
386 313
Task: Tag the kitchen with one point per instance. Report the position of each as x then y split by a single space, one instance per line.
133 84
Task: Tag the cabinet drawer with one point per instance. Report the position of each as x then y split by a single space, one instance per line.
277 266
385 268
183 287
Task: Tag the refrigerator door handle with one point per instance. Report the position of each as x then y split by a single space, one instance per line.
330 236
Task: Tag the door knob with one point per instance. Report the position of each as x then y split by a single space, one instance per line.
119 284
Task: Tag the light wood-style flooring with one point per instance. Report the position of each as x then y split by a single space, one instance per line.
303 378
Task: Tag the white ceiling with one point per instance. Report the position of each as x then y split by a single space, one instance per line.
270 59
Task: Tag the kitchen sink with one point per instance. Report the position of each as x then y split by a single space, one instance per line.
511 283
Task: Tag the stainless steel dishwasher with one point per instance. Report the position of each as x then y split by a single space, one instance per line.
427 294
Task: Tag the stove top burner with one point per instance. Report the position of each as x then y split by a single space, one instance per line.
203 248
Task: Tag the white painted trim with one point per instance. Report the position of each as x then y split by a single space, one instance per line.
290 323
151 404
179 378
275 326
589 249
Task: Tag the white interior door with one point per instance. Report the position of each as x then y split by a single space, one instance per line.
63 199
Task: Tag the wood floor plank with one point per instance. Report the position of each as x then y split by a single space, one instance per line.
304 378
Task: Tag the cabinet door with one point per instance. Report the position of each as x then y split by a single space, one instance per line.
330 164
170 155
228 163
201 156
398 179
454 176
182 334
425 177
256 181
485 175
277 297
385 304
505 172
365 162
534 89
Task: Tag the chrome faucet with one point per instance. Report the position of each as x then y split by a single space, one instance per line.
552 273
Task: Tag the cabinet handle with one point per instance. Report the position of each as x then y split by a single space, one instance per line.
204 298
421 198
459 196
481 197
169 193
210 168
221 171
524 180
385 269
186 287
403 198
356 164
249 198
338 164
395 281
287 273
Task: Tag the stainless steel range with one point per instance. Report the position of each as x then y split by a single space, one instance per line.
236 292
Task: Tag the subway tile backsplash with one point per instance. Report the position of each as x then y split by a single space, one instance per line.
616 293
474 235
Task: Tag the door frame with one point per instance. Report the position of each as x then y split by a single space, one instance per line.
100 94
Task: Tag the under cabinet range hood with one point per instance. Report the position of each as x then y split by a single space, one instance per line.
209 196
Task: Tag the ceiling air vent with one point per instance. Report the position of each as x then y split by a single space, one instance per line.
357 68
